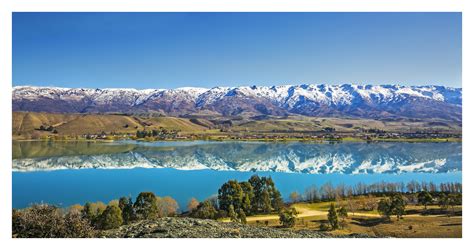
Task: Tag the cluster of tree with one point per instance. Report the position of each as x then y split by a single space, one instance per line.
162 132
329 192
443 200
394 205
257 195
48 128
83 221
236 200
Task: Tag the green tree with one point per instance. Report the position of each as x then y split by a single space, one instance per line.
384 208
398 204
288 217
277 200
266 202
395 205
332 217
230 193
275 195
452 200
92 211
145 206
232 215
248 196
242 217
342 213
128 213
257 186
425 198
110 218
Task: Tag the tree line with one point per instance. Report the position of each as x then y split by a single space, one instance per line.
329 192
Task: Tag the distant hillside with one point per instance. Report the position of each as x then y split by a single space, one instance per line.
28 123
348 100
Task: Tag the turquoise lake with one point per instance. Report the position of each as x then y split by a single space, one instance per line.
67 173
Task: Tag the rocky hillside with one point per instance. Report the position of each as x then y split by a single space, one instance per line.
348 100
199 228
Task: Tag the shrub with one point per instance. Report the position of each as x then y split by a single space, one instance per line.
146 206
205 210
167 206
110 218
76 226
288 217
324 226
232 214
92 211
242 217
192 204
342 212
39 221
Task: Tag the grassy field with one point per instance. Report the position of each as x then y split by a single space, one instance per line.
412 225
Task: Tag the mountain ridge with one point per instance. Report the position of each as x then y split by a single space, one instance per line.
364 101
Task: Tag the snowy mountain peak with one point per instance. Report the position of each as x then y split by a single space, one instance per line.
305 99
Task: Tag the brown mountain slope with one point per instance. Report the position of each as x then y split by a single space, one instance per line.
25 124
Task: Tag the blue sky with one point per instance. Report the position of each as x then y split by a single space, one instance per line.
169 50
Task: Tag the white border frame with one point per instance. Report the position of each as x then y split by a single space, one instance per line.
9 6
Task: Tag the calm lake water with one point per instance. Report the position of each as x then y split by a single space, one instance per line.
66 173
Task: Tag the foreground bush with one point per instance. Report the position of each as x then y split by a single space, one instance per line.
47 221
205 210
110 218
288 217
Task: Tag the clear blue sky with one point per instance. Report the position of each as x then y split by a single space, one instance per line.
169 50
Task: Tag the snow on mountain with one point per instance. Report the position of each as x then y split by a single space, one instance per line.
305 99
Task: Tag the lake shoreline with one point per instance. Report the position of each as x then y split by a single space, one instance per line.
343 140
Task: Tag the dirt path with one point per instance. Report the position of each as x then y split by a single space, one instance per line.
306 212
302 212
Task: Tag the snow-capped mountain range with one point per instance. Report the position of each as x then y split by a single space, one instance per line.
367 101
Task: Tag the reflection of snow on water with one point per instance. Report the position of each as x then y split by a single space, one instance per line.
346 158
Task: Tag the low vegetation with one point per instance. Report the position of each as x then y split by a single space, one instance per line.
421 210
49 221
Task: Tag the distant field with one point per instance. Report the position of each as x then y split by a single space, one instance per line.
26 125
302 123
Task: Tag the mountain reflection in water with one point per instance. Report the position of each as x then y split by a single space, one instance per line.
344 158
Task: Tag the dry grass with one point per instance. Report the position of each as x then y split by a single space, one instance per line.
26 124
413 225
